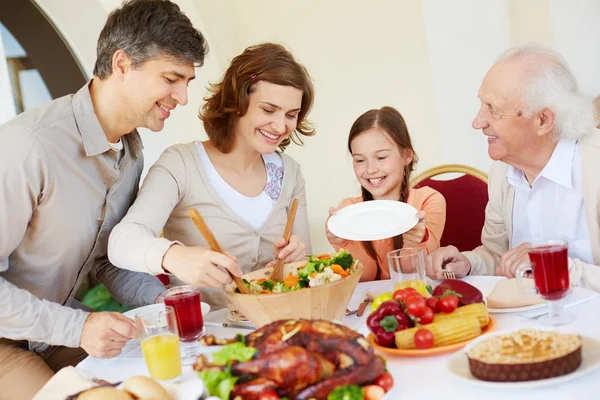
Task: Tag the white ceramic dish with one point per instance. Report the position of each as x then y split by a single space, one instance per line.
458 365
373 220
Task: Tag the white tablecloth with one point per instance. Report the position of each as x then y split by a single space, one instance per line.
415 378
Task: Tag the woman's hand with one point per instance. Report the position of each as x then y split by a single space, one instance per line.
414 237
199 266
334 240
291 251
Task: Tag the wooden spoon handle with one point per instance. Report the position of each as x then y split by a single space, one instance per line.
214 245
287 233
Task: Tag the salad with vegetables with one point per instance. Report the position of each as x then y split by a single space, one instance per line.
319 270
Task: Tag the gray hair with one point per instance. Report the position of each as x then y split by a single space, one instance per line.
145 29
549 84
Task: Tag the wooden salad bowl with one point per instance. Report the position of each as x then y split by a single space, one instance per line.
327 302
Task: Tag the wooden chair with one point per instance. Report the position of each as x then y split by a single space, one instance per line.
466 198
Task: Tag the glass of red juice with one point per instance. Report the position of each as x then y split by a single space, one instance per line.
549 263
186 302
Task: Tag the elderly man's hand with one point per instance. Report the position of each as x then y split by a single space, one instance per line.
511 260
451 259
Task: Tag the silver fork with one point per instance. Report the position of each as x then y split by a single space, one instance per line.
448 274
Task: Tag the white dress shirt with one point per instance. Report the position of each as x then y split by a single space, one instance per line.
552 208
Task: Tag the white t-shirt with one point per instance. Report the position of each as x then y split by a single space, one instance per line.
552 208
252 209
117 148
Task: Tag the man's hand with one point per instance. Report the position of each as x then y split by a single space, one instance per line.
510 261
105 334
414 237
295 250
451 259
334 240
198 266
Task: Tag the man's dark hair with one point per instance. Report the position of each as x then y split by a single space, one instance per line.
145 29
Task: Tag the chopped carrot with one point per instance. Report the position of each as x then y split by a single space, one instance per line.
291 281
324 256
266 292
339 270
313 274
261 280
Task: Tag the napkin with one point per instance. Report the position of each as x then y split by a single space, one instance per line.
64 383
69 381
506 294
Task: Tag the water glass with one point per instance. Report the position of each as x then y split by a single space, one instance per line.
159 339
186 301
407 268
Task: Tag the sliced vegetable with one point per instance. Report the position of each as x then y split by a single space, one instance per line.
218 383
343 259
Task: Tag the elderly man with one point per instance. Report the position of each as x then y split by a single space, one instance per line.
543 183
68 173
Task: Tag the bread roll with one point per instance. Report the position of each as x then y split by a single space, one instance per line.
104 393
145 388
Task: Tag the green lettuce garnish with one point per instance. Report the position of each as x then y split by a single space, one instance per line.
235 351
218 383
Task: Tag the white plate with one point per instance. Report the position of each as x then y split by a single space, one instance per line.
515 309
160 306
373 220
458 365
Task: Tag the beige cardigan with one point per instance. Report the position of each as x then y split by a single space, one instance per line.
496 235
178 182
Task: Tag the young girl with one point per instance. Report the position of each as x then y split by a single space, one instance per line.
383 159
237 180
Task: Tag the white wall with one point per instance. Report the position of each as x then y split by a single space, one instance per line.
424 57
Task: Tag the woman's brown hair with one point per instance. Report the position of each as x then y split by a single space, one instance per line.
391 122
229 99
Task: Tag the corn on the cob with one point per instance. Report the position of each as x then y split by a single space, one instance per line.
477 310
447 332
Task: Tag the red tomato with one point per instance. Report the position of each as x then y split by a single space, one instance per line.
410 289
427 316
400 295
423 339
385 380
415 306
413 296
448 303
434 304
268 395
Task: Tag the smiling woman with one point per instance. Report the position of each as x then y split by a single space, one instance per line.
239 180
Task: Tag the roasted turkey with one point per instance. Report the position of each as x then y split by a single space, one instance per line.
302 359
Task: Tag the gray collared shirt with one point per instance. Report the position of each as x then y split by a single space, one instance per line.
62 190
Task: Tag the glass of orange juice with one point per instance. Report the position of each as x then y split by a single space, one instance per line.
159 338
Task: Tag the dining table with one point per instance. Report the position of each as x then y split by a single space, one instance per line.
417 377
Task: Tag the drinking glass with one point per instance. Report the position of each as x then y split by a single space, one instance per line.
157 331
188 312
549 263
407 268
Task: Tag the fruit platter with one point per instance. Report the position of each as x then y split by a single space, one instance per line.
418 320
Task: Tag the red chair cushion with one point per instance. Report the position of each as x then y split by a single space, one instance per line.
466 199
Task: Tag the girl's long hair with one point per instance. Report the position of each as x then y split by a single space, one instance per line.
391 122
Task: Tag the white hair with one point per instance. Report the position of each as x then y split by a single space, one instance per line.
549 84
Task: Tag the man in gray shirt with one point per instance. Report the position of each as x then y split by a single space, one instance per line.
68 173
